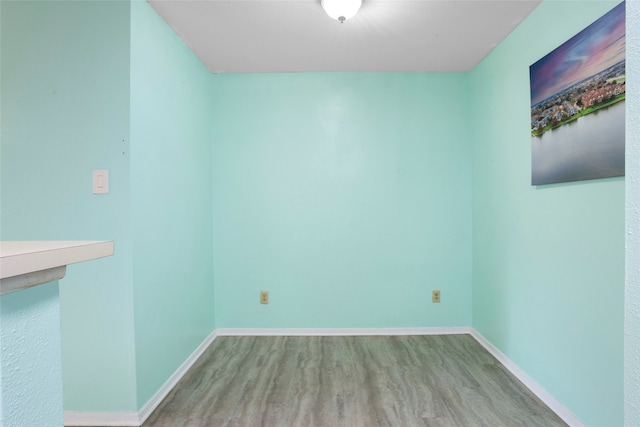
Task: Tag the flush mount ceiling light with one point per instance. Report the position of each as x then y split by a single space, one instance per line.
341 10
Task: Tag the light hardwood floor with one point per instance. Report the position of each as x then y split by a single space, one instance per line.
369 381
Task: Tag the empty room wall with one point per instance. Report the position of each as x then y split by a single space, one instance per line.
548 260
347 196
170 200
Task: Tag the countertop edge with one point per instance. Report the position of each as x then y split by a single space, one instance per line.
43 255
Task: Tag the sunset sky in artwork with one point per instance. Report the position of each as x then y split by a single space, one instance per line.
596 48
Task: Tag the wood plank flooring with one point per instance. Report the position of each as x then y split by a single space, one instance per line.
366 381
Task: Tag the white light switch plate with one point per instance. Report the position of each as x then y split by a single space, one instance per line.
101 181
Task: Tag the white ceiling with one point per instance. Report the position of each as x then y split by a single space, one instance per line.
249 36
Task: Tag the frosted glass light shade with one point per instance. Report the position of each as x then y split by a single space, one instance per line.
341 10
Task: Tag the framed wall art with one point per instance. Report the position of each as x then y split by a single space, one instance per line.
577 105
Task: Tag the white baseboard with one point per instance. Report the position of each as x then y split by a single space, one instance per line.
542 394
124 419
310 332
153 403
133 419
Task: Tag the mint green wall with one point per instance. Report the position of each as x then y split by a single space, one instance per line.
171 127
31 366
65 112
632 295
548 260
346 196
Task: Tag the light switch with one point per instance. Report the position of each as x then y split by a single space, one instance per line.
101 181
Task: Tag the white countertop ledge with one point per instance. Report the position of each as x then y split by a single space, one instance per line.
29 263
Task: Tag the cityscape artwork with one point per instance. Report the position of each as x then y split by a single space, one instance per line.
577 105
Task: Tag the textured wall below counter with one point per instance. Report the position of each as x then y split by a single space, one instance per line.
31 359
